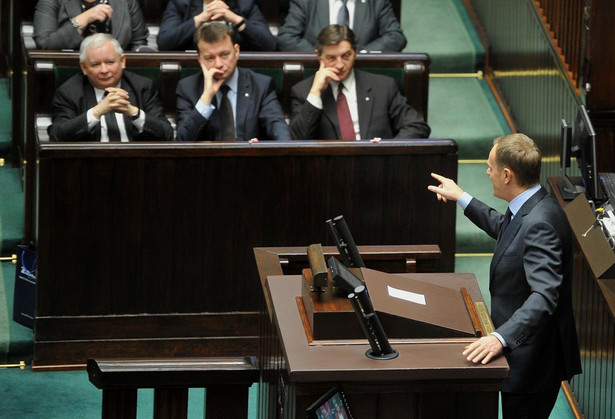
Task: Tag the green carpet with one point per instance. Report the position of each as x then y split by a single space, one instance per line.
5 335
443 29
11 209
464 109
69 394
5 119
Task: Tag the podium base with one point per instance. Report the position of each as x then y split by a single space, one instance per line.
370 354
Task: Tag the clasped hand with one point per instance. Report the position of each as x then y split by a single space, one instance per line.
100 12
217 10
115 100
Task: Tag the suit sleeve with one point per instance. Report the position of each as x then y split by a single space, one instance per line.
137 24
256 35
67 122
49 31
305 116
190 123
484 217
291 34
405 120
390 35
175 32
271 115
542 265
157 126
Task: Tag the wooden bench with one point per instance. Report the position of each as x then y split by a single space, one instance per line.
227 381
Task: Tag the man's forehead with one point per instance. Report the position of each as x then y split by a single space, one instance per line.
340 48
106 51
209 47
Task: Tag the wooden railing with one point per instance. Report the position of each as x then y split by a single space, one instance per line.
566 21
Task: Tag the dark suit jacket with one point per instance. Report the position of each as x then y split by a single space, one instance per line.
531 286
375 25
53 30
177 26
383 111
259 114
76 96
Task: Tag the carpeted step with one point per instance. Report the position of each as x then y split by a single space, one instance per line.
5 119
464 109
443 29
11 209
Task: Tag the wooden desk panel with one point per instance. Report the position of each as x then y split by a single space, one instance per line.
149 246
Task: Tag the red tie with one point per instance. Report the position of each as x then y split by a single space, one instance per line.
343 116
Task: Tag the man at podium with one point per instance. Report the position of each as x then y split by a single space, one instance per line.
530 279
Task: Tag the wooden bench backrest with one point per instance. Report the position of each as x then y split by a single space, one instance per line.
51 68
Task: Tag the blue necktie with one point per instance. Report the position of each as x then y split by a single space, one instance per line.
343 17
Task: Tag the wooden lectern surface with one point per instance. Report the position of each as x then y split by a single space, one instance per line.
419 360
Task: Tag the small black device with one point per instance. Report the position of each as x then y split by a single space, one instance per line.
332 404
343 278
585 140
380 348
567 189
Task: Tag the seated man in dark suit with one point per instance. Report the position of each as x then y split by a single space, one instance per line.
367 106
181 18
374 22
106 103
223 101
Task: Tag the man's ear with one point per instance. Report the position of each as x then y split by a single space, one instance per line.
82 65
508 175
123 61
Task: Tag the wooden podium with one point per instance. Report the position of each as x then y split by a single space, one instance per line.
429 379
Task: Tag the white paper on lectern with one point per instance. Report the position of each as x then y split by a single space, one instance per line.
406 295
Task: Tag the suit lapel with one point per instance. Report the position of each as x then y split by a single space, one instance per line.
132 98
364 102
118 18
513 228
89 98
360 16
322 11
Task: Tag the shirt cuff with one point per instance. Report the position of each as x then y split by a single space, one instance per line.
464 200
500 338
315 101
139 123
91 119
204 110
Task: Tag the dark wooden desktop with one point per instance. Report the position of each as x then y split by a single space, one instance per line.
145 250
429 379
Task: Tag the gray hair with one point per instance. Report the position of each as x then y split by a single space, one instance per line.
96 41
